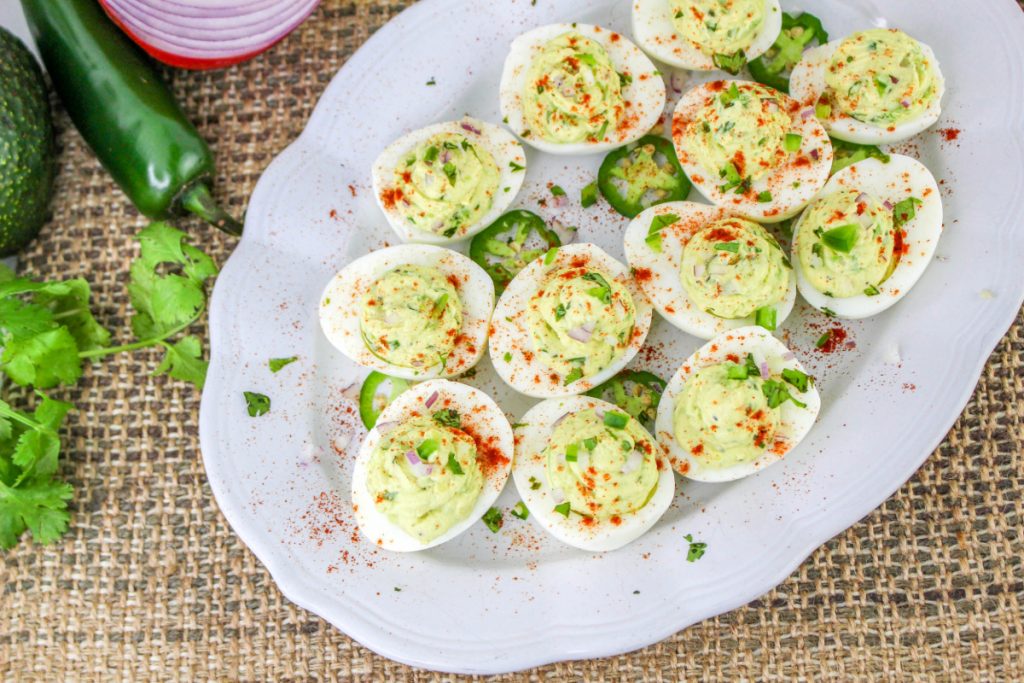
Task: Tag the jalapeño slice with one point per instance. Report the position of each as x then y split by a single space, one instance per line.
642 174
511 242
773 67
377 392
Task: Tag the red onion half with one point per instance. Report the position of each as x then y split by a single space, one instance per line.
207 34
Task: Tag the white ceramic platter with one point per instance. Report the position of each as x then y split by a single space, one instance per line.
498 602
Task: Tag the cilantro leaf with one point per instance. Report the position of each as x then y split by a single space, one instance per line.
44 360
257 404
277 364
184 360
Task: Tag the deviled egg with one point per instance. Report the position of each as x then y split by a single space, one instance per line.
707 271
747 148
448 181
738 404
435 461
578 88
589 473
872 87
701 35
868 237
413 311
567 322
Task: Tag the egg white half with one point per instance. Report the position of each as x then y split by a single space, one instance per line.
807 83
508 154
480 415
657 273
524 370
645 94
342 299
532 437
796 422
792 184
656 34
889 182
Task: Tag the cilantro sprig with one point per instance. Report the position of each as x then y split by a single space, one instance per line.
48 332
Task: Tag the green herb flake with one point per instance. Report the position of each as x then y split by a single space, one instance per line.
277 364
432 81
557 191
430 156
572 376
450 171
507 357
563 509
872 290
823 339
905 211
448 417
777 394
732 247
798 379
257 404
695 550
764 197
516 167
534 483
588 195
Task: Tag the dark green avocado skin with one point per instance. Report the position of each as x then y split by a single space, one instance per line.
27 148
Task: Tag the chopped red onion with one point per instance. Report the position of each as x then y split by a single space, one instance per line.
905 103
471 129
559 420
814 153
418 467
558 200
581 334
806 114
862 197
385 427
430 401
893 79
446 156
887 204
698 270
788 355
763 367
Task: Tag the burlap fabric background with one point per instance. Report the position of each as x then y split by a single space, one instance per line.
150 583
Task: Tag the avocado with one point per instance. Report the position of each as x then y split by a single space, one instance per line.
27 147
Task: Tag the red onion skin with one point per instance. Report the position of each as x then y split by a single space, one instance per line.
194 63
471 129
430 401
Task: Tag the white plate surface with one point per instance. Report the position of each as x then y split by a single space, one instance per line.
492 603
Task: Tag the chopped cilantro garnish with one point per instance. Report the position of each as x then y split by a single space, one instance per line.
277 363
872 290
557 191
256 404
563 509
730 63
572 376
559 311
823 339
449 170
603 291
534 483
764 197
798 379
516 167
730 95
696 549
777 394
590 443
432 81
449 417
905 211
507 357
430 155
454 465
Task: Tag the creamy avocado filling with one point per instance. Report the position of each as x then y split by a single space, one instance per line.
573 93
733 267
724 421
580 321
602 463
881 76
445 185
718 26
424 476
411 316
739 135
846 244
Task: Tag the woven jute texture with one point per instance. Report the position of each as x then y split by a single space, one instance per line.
151 584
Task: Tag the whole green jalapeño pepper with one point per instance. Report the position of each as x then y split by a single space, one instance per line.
642 174
773 67
638 392
505 246
120 106
375 395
